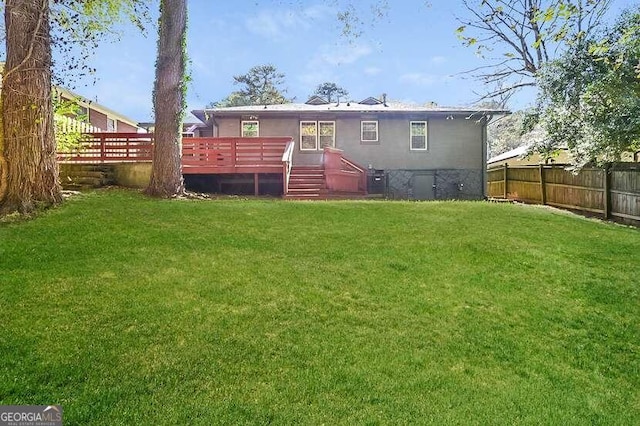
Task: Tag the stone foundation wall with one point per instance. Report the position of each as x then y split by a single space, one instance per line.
82 176
446 184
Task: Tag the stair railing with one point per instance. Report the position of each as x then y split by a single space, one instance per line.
341 174
351 166
287 163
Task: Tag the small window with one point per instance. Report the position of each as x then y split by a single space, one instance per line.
112 125
308 136
327 134
250 129
418 135
369 131
83 111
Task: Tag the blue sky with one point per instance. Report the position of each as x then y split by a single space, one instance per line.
412 54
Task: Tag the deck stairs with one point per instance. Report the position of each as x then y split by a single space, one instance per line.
307 183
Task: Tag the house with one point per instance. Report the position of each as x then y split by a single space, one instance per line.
90 117
94 116
189 130
521 156
407 151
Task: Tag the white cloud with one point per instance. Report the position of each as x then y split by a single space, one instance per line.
340 55
330 62
372 71
278 25
438 60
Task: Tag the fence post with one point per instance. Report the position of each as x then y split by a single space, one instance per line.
543 192
506 180
607 192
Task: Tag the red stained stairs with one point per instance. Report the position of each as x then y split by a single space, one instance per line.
308 183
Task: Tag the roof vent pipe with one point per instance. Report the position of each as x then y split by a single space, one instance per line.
384 99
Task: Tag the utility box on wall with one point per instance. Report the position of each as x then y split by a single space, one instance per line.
377 182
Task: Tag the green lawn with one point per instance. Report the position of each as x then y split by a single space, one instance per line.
127 310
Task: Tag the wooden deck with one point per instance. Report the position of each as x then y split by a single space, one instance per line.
255 156
199 155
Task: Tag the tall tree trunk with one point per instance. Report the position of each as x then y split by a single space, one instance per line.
168 101
28 165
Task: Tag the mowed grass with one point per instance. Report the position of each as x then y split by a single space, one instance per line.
127 310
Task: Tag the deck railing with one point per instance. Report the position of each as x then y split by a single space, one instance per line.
110 148
233 155
199 155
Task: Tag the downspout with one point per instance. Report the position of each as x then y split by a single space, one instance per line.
485 175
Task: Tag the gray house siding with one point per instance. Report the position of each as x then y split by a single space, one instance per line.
453 165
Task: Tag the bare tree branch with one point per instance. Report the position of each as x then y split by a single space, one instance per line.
529 33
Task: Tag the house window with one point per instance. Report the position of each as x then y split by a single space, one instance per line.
418 135
250 129
315 135
327 133
112 125
308 136
83 112
369 131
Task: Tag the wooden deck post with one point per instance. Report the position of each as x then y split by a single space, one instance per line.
284 179
256 184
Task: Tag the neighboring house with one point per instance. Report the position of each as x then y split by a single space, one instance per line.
521 157
97 117
189 130
422 152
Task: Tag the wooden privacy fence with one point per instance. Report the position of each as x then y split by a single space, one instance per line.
613 192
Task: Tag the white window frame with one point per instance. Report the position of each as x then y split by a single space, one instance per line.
302 123
426 135
256 122
333 136
115 124
362 139
318 124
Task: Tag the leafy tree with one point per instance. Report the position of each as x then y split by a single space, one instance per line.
262 85
27 147
590 97
331 91
505 133
233 100
28 166
520 36
68 121
169 100
79 26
